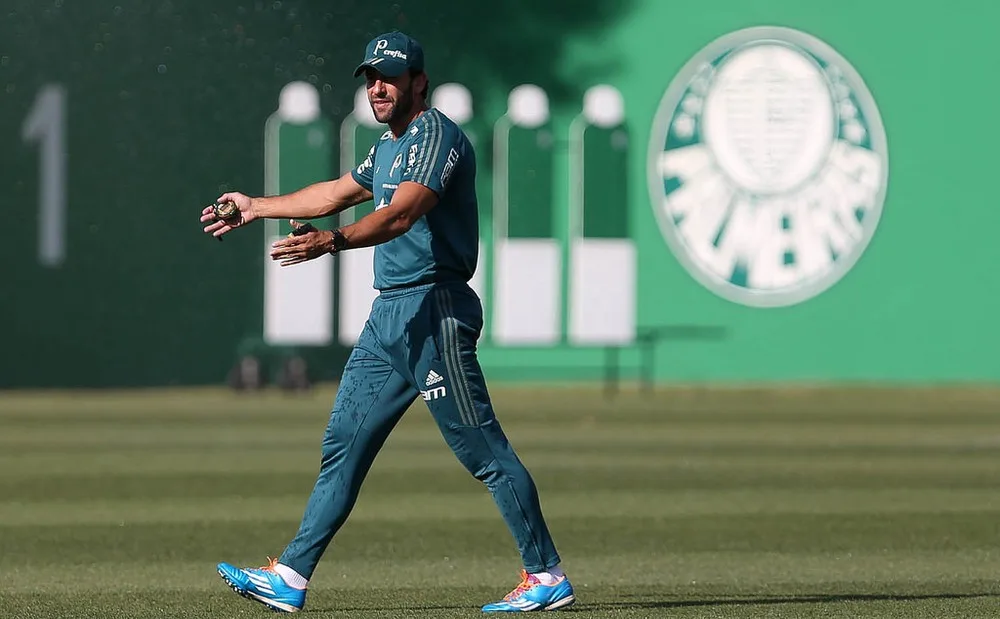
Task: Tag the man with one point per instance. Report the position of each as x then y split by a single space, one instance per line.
420 337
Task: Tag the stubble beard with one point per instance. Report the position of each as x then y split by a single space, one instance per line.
398 109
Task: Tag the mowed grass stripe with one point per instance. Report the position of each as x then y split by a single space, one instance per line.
765 402
889 468
550 474
416 507
72 545
608 413
988 445
629 602
678 575
661 435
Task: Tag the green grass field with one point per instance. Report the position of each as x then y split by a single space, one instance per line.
688 503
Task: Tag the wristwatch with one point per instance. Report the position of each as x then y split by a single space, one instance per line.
339 241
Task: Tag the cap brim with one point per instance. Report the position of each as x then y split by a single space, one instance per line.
388 67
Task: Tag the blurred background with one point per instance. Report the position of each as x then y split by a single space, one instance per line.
122 119
737 264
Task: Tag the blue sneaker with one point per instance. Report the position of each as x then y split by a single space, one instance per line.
264 585
531 594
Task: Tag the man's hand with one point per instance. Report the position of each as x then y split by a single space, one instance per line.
218 227
302 247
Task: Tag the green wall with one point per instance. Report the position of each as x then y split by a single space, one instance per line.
921 302
166 104
165 109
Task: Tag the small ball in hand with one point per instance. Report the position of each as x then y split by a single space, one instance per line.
226 211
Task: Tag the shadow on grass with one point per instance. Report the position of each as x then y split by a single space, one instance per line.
778 600
707 602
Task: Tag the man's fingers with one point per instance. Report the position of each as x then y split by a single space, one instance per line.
217 227
300 254
283 251
289 241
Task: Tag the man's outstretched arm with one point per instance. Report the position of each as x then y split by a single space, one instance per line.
316 200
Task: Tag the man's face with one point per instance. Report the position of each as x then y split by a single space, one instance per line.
391 97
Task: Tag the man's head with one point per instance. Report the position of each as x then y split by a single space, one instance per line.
394 75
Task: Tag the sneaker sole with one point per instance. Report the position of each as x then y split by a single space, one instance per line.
563 603
271 605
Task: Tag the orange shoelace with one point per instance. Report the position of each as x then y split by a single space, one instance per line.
525 584
270 564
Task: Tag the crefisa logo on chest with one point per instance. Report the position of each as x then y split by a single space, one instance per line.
767 166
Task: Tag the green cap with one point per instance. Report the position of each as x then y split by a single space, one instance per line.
392 54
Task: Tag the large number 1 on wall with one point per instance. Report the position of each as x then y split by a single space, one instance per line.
46 124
